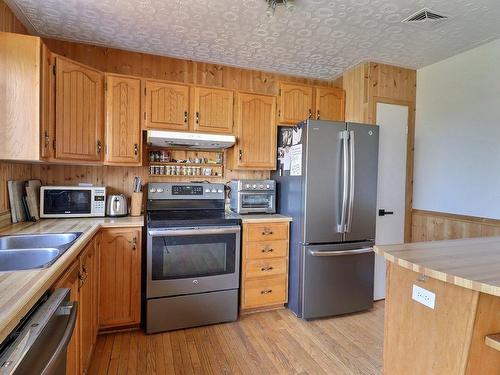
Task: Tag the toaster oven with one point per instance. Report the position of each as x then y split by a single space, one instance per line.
253 196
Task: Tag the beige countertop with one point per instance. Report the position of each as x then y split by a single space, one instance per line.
20 290
470 263
263 218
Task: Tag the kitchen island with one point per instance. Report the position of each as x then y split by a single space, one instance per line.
442 309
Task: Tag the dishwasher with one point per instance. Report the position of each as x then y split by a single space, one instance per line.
38 344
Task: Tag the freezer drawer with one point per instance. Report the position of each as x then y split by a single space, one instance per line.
337 279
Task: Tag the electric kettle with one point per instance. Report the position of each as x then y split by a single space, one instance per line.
116 205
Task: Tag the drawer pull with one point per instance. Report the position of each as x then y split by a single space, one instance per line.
266 291
267 250
267 268
267 232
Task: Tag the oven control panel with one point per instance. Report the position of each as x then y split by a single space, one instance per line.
185 190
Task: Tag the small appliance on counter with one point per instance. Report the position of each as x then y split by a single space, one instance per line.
116 206
72 201
253 196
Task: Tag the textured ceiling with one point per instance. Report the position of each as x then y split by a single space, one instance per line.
320 39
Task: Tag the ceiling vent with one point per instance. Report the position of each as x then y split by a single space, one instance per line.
425 16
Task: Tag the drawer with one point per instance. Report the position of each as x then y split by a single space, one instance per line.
262 292
265 267
266 249
266 231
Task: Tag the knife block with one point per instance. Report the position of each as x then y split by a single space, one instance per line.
136 204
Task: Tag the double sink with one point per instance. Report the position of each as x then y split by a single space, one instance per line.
31 251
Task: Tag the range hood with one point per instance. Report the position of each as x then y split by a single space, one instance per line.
196 141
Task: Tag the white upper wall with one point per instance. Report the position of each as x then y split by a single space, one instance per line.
457 144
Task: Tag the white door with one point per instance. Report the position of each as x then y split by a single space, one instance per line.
393 121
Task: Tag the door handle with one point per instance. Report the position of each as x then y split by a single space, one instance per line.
344 136
351 181
383 212
317 253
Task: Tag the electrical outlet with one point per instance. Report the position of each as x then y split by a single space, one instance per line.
423 296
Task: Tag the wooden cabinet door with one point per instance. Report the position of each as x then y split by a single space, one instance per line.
87 331
213 110
256 128
19 97
123 120
47 120
95 287
295 103
70 280
167 105
79 117
120 269
329 104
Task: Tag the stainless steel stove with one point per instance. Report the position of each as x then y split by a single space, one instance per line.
192 257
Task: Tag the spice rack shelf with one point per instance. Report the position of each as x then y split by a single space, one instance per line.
183 164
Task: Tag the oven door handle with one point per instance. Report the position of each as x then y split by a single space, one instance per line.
193 231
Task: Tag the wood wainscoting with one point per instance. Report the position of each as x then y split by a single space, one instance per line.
435 226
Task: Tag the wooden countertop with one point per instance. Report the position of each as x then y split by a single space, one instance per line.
20 290
470 263
264 218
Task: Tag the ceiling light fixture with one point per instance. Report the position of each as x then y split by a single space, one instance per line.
272 4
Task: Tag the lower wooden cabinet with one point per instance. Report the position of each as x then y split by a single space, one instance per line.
71 280
88 312
82 280
120 282
264 266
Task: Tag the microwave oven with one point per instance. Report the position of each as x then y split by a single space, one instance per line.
253 196
72 201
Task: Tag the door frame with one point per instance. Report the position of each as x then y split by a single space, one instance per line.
410 150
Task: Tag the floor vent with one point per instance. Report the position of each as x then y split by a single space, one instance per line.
425 16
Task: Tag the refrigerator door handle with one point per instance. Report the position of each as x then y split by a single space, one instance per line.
344 137
317 253
351 181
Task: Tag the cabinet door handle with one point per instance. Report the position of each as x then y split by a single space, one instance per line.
317 114
267 250
185 117
47 139
310 113
133 243
266 291
266 268
267 232
99 146
136 149
240 155
197 117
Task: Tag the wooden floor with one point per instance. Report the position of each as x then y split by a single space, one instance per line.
273 342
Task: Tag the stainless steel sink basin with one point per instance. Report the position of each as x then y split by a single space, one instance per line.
30 251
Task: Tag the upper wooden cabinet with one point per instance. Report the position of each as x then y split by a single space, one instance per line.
213 110
123 120
79 115
120 278
20 95
166 105
329 104
300 102
256 133
295 103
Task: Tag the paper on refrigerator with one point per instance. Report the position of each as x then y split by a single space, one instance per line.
296 160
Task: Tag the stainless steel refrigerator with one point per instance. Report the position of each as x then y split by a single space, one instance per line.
327 181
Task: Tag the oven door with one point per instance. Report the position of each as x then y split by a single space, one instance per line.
256 202
193 260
